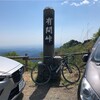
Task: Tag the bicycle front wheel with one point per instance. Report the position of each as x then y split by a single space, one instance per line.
40 75
71 73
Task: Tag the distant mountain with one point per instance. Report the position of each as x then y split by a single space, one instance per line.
75 46
71 43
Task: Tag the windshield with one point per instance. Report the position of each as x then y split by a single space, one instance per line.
96 55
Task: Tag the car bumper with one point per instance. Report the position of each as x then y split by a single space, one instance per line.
17 90
10 90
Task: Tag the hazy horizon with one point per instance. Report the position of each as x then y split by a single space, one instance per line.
37 46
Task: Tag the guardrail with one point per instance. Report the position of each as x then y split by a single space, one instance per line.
77 53
26 57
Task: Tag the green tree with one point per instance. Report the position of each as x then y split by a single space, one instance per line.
13 53
96 35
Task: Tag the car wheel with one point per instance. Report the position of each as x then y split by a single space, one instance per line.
78 92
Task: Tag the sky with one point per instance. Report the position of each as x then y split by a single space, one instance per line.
21 21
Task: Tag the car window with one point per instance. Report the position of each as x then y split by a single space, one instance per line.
96 55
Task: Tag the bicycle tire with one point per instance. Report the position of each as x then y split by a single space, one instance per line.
71 77
38 76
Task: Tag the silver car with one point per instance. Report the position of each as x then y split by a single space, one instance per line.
89 87
11 80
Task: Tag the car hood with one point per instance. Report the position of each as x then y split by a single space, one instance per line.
8 65
93 76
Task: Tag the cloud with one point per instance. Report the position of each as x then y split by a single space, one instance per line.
79 2
84 2
75 4
65 2
94 1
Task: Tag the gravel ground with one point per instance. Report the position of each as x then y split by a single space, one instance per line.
47 92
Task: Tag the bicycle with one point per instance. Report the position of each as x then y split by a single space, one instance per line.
70 72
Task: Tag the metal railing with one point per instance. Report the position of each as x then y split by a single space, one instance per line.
26 58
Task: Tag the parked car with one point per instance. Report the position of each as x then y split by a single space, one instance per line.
11 80
89 87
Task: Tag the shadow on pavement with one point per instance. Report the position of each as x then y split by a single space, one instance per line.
40 92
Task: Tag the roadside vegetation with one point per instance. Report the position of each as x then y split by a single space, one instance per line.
74 46
13 53
71 47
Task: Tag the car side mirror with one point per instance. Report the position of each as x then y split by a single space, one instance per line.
85 57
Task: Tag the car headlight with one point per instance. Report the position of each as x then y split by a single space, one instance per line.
86 92
4 77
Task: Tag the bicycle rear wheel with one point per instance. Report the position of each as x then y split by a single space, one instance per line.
71 73
40 76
